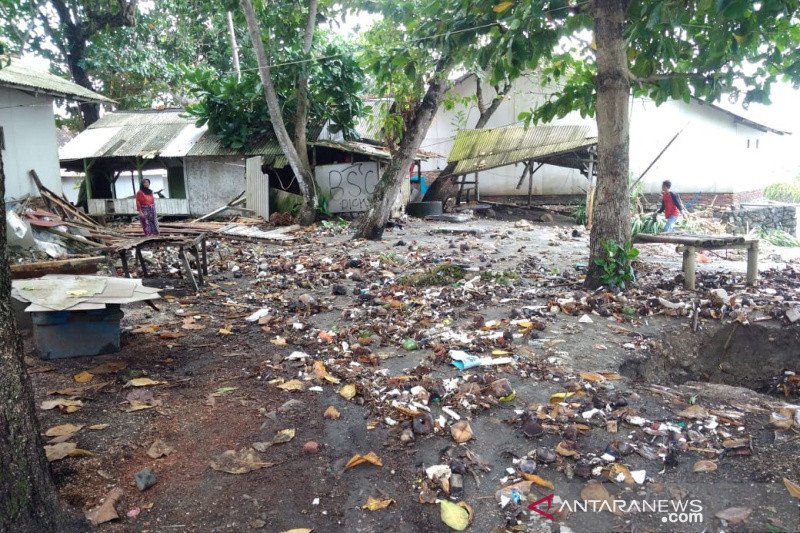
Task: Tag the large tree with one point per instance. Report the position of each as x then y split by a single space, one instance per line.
28 497
412 66
660 49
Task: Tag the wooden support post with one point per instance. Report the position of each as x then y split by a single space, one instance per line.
530 184
142 263
205 255
689 263
752 263
123 255
187 267
477 190
194 250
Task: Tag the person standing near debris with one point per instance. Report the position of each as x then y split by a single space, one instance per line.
146 206
671 206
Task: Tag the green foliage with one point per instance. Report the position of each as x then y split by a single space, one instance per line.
237 111
777 237
338 223
784 192
616 264
645 223
580 213
503 277
678 50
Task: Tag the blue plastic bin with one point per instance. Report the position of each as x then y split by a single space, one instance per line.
59 334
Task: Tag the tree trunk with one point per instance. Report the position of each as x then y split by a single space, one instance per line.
611 219
303 173
373 222
28 497
446 185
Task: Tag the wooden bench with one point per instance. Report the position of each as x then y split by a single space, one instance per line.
691 243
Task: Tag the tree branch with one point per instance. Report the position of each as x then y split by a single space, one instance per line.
301 116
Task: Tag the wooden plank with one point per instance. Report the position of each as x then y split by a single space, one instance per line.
187 267
699 241
142 263
123 255
41 268
689 267
752 264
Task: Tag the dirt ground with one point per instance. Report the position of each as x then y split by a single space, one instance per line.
633 375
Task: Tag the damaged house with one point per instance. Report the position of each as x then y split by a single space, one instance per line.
200 175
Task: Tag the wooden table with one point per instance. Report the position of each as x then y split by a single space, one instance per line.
196 246
691 243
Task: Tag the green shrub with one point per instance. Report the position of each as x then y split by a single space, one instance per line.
616 264
784 192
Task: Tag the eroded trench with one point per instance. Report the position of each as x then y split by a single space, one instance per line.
762 357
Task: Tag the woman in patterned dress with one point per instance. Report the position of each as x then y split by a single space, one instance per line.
146 206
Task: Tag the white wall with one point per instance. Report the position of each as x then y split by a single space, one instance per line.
710 155
212 182
70 182
29 130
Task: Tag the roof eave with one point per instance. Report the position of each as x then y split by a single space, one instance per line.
100 99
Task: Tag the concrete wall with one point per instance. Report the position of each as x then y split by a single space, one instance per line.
71 181
29 130
743 219
213 182
713 154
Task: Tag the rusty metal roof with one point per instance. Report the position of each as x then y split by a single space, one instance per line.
18 76
476 150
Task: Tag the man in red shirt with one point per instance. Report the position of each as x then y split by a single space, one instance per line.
671 206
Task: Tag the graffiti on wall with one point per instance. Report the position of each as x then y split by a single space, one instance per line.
347 186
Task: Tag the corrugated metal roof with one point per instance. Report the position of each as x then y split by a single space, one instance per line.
20 77
476 150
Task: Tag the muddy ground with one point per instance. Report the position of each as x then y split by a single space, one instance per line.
662 368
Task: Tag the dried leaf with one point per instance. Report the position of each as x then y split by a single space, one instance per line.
358 459
695 412
560 397
294 384
68 406
704 466
332 413
75 391
320 372
592 376
278 341
97 427
109 367
105 512
238 462
567 448
538 480
461 431
594 491
83 377
792 487
171 335
224 390
374 504
348 392
159 448
142 382
225 332
63 429
734 515
298 530
146 328
617 469
136 405
193 326
64 449
284 435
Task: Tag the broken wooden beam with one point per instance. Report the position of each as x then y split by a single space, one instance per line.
79 265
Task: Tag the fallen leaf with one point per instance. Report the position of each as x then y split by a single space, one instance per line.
374 504
193 326
320 372
97 427
332 413
298 530
225 332
594 491
224 390
159 448
326 336
461 431
109 367
68 406
592 376
455 515
348 391
538 480
694 411
136 405
616 469
238 462
142 382
294 384
64 449
146 328
567 448
358 459
83 377
704 466
171 335
792 487
281 437
560 397
611 376
278 341
63 429
105 512
734 515
76 391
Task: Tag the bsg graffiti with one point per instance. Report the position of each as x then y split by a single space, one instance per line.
352 181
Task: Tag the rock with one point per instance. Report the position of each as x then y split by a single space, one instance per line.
545 217
718 296
291 405
407 436
545 455
145 479
339 290
159 448
423 424
532 428
793 314
311 447
307 300
500 388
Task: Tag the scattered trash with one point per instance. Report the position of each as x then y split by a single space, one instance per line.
105 512
238 462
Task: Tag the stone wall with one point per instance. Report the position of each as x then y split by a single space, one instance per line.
742 219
